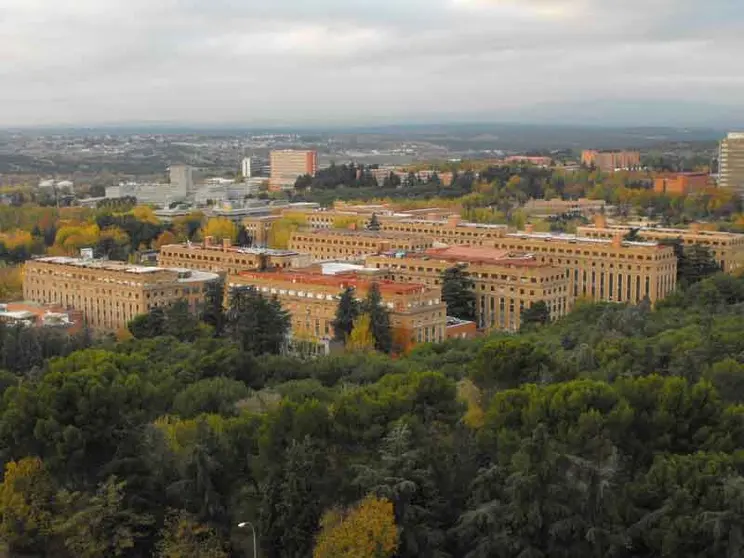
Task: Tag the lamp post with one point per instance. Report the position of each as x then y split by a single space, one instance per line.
253 530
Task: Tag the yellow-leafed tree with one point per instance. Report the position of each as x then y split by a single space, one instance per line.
366 531
165 239
145 214
220 228
361 338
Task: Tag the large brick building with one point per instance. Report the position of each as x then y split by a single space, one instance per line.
340 244
225 258
609 161
726 248
289 164
505 283
417 313
108 293
681 183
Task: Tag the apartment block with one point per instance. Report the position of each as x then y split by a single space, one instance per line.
609 161
726 248
340 244
731 162
287 165
505 283
108 293
417 313
681 183
225 258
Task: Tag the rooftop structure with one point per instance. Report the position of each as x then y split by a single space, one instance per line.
109 293
30 314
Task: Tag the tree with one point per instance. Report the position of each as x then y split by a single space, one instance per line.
374 223
220 228
458 294
508 362
166 238
260 325
147 326
26 505
537 314
361 338
379 319
184 536
347 312
633 236
365 531
101 525
213 311
694 263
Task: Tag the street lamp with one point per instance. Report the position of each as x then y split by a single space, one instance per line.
253 529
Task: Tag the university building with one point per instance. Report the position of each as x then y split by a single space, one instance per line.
505 283
341 244
289 164
726 248
109 293
225 258
417 312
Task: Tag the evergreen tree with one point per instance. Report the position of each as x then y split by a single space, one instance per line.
380 319
213 312
347 311
537 314
458 294
374 223
147 326
260 325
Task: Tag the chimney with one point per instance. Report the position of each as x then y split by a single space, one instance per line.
226 244
529 228
453 221
352 226
208 241
617 240
600 221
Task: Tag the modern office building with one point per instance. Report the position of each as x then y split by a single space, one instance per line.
610 161
287 165
681 183
181 181
726 248
505 283
224 258
108 293
731 162
246 167
341 244
417 313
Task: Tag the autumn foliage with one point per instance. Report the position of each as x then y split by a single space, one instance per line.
366 531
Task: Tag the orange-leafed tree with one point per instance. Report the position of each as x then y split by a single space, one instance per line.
165 239
367 530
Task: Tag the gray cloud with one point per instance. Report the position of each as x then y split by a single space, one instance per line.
87 61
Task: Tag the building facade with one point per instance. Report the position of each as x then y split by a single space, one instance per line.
681 183
731 162
224 258
609 161
108 293
287 165
505 284
340 244
726 248
417 313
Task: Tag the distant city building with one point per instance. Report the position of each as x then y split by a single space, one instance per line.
726 248
532 160
181 180
57 184
108 293
681 183
248 168
731 162
557 206
609 161
287 165
226 258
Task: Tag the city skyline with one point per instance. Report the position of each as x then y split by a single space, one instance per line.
80 62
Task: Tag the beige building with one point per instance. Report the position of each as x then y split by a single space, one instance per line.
108 293
731 162
340 244
289 164
225 258
417 313
726 248
505 283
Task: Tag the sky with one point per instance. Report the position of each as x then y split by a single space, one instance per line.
88 62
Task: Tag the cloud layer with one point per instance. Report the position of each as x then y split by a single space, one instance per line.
243 61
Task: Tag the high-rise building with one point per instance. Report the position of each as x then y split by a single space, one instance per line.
289 164
109 293
731 162
246 167
181 181
609 161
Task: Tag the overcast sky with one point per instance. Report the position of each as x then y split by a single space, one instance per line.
336 61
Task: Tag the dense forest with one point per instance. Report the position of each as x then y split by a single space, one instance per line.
617 431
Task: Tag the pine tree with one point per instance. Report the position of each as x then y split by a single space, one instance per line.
348 310
374 223
213 312
458 294
258 324
537 314
379 318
